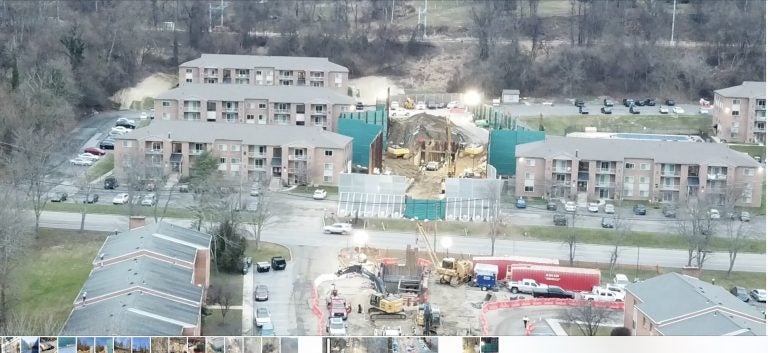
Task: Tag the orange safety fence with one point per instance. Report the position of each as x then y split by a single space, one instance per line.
316 310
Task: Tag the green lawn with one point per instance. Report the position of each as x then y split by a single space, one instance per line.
119 209
665 124
218 325
454 228
51 273
266 251
104 165
573 330
752 150
232 282
454 13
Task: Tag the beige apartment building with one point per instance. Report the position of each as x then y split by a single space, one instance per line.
246 153
258 105
656 171
739 113
264 71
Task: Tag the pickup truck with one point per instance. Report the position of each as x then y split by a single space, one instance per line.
336 327
278 263
524 286
552 292
603 294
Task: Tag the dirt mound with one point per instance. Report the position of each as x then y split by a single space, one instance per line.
421 127
149 87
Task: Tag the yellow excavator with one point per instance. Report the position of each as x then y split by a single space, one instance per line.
409 104
382 305
398 151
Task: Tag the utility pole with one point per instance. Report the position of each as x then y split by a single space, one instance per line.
425 19
392 15
674 10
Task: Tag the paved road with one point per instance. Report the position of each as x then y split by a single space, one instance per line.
303 231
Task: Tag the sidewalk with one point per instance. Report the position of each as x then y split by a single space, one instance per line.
248 303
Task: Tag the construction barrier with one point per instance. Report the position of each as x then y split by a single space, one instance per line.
511 304
316 310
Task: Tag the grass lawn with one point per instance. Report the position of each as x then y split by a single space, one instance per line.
49 276
752 150
665 124
266 251
233 282
573 330
471 228
119 209
104 165
218 325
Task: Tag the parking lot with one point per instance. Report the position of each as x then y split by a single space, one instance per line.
564 108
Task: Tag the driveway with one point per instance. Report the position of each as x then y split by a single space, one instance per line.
281 296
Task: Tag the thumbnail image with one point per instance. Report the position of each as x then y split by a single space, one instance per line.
85 345
289 345
140 345
233 345
122 345
48 345
481 345
214 345
104 345
159 345
177 345
30 344
270 345
252 344
412 344
359 344
66 345
196 345
11 345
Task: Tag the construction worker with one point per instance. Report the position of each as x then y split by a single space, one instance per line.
359 308
525 322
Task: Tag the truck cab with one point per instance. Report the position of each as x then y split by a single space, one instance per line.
524 286
603 294
278 263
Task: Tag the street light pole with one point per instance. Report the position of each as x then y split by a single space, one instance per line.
637 263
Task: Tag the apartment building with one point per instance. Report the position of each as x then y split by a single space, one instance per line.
678 305
258 105
739 113
656 171
264 71
246 153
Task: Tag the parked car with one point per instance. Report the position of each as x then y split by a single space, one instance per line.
678 110
669 211
670 102
639 102
570 206
551 205
91 198
261 293
278 263
143 116
607 102
81 161
745 216
107 144
758 295
359 106
650 102
149 200
262 316
639 210
583 110
609 208
120 130
90 156
431 104
432 166
263 266
120 199
58 196
125 121
593 207
607 222
520 203
110 183
338 228
714 214
634 110
628 102
452 104
663 110
741 293
559 219
552 292
420 105
319 194
95 151
268 329
705 111
606 110
579 103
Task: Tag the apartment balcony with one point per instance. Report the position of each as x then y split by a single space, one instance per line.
295 157
605 184
285 77
605 171
230 110
154 151
670 187
717 176
561 170
670 173
759 129
256 167
257 155
282 111
317 78
760 118
242 75
561 184
760 107
192 108
210 74
196 152
297 171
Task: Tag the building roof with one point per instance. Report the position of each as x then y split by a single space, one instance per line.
748 89
132 315
250 134
667 298
256 61
143 274
672 152
162 238
510 91
275 94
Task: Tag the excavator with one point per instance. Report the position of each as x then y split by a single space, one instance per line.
382 305
429 318
409 104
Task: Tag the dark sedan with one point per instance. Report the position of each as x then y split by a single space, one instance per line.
607 222
261 293
92 198
58 197
639 210
107 144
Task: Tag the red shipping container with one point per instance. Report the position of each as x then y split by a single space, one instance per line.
505 261
568 278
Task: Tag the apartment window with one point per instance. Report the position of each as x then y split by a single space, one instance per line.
211 106
241 72
736 102
250 117
328 166
262 105
235 161
629 166
222 161
735 113
644 193
746 196
328 153
530 162
199 147
235 148
166 103
749 171
189 71
328 172
286 83
645 166
299 108
157 146
281 119
316 74
327 178
528 188
189 80
127 144
629 180
316 83
222 147
282 106
252 105
166 116
627 192
643 180
262 120
258 73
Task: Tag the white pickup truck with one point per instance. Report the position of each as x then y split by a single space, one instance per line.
603 294
524 286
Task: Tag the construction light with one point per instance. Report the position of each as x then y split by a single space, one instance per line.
472 98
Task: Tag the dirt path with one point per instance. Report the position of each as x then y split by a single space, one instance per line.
150 87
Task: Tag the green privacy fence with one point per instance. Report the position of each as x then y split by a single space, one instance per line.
424 209
374 117
501 148
362 135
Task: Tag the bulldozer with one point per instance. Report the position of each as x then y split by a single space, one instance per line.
454 272
409 104
382 305
428 317
398 151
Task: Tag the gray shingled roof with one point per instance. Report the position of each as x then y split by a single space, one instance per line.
143 273
132 315
713 323
250 134
714 154
748 89
252 61
673 295
163 238
274 94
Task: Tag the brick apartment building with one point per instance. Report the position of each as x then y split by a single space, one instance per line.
739 113
259 105
295 154
665 171
264 71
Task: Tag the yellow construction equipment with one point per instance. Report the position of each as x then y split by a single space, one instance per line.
473 150
382 305
397 151
409 104
454 272
428 317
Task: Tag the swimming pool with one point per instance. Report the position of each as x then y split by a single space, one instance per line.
651 137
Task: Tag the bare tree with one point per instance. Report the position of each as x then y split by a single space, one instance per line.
483 28
225 300
15 234
571 240
697 227
492 195
737 233
259 215
621 229
587 318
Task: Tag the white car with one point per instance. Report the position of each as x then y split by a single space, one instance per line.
593 207
570 206
663 110
319 194
609 209
92 157
452 104
144 116
421 105
120 130
714 214
338 228
81 161
758 295
148 200
678 110
262 316
120 199
125 121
